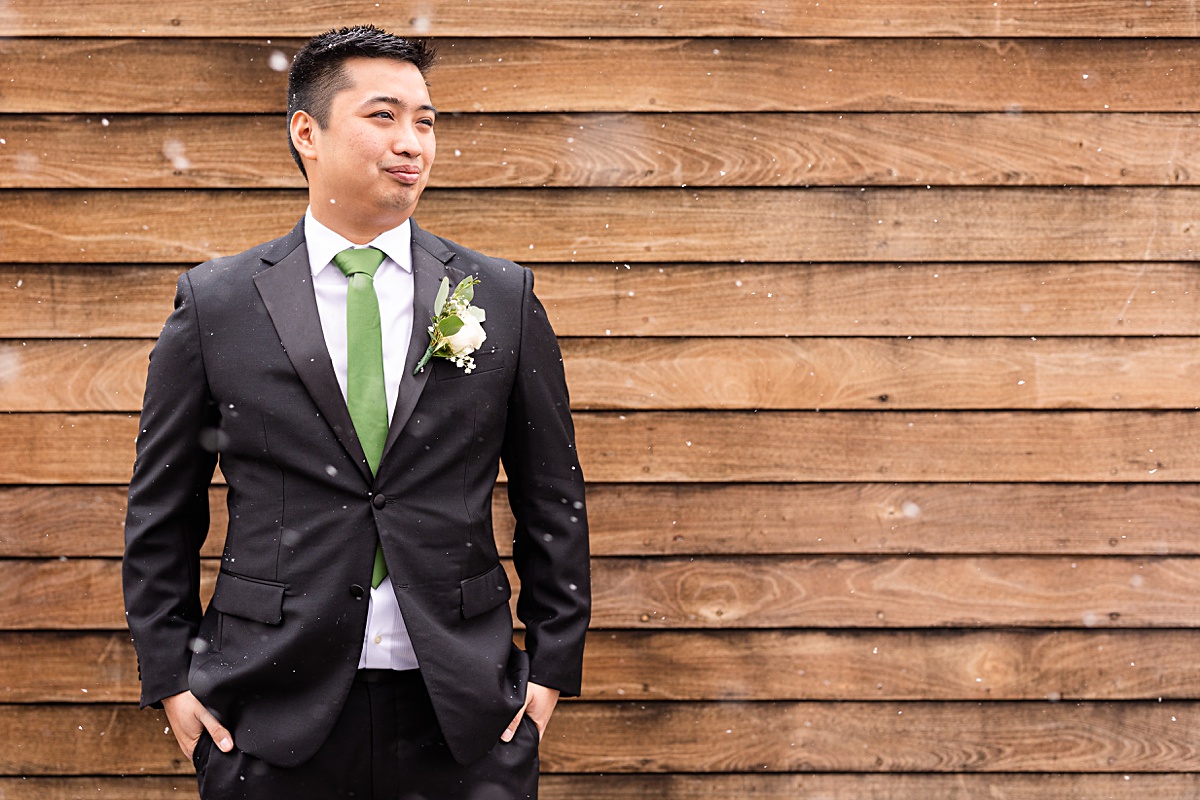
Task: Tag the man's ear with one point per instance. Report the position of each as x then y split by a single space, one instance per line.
304 132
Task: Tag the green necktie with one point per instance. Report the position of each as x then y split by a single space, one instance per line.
366 394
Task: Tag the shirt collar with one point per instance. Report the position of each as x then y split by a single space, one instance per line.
324 243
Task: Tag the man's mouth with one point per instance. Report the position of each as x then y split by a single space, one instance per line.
405 173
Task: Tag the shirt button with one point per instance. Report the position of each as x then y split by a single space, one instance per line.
378 638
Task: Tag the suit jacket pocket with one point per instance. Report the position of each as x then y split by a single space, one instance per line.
485 592
249 598
486 360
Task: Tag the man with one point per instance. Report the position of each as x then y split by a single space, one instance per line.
359 638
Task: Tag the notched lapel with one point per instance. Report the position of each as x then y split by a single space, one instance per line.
429 267
286 290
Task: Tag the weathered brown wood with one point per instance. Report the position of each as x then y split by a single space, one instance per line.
1090 299
783 374
732 446
43 375
85 301
732 519
52 667
891 665
900 446
752 592
777 591
709 737
579 74
847 786
565 150
859 373
879 225
884 18
874 737
56 667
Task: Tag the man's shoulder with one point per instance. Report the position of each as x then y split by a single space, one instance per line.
246 264
464 259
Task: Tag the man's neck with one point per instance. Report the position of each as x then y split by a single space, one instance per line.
357 231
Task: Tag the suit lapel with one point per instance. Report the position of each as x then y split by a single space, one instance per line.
429 267
287 292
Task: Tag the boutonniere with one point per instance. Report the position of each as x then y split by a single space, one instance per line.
456 329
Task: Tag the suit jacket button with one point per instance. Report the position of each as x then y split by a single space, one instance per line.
357 591
379 501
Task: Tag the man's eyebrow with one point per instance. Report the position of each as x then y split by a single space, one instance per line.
395 101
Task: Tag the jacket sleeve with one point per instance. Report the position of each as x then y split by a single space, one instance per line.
167 518
546 493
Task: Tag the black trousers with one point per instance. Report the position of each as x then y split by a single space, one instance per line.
386 745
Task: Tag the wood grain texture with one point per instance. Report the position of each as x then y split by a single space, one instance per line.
615 150
891 665
872 737
751 592
900 446
777 591
735 519
845 373
1070 299
732 446
704 225
872 299
705 787
65 375
706 74
882 18
780 374
62 667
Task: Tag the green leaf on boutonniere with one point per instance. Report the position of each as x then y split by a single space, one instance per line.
466 288
477 313
443 292
449 326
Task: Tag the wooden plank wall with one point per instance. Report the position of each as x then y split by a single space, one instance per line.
882 322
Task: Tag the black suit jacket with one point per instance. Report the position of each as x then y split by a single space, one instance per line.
241 376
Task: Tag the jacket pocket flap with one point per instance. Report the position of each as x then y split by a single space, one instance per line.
249 598
485 592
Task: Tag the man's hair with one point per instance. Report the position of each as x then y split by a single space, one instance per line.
318 71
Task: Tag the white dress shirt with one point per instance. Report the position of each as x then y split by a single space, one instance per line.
386 644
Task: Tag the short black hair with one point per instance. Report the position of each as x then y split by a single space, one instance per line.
318 70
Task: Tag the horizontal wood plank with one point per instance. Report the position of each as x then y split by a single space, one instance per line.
705 225
873 737
846 786
900 446
857 373
731 519
1115 738
649 150
56 667
65 375
1089 299
777 591
779 374
751 592
883 18
890 665
579 74
744 446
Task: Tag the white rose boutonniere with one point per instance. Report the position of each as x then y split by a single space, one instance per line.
456 329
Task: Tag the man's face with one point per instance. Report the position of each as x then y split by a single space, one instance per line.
372 161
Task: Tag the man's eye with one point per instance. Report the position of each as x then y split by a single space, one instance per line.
383 114
427 122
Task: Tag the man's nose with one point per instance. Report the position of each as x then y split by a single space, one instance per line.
407 142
